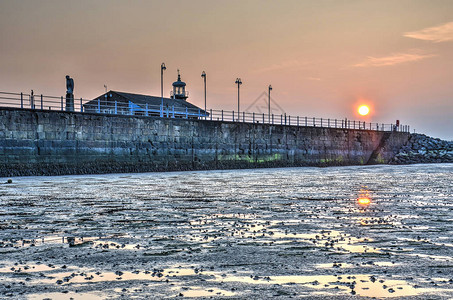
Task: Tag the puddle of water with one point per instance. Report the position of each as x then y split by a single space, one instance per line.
65 296
362 285
268 231
349 266
94 242
67 275
27 268
431 257
202 292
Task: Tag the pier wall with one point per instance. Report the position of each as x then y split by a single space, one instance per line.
35 142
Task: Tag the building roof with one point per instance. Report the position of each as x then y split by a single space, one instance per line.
140 99
179 82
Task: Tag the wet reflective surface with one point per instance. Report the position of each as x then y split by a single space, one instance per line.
349 232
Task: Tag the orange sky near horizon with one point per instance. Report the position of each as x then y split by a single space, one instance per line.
323 58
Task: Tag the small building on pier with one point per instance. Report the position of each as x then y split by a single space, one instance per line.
177 106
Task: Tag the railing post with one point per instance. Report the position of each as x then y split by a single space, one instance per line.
173 113
306 123
281 119
253 117
210 113
328 123
297 121
81 105
41 103
233 115
321 122
99 105
314 122
335 123
285 118
222 115
243 116
21 100
263 118
187 114
272 119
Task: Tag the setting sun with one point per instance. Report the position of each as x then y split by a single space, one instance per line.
363 110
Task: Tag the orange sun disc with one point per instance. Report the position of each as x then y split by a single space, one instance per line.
363 110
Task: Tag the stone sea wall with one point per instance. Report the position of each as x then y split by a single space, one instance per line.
34 142
424 149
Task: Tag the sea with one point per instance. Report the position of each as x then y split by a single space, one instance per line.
359 232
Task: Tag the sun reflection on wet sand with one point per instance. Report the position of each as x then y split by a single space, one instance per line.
364 201
364 197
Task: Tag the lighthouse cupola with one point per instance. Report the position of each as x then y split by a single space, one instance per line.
179 89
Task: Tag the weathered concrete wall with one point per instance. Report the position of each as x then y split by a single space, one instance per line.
48 142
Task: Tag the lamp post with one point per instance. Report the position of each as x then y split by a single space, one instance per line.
269 104
238 82
203 75
162 68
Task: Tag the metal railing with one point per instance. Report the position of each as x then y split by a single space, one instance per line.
105 106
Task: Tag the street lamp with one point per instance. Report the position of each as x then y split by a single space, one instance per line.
203 75
238 82
162 68
269 104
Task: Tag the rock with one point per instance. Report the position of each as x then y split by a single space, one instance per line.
71 241
423 149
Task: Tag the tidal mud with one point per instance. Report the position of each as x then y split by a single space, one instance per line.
338 233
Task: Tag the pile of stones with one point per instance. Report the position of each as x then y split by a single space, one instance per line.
424 149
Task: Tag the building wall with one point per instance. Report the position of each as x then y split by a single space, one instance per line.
53 143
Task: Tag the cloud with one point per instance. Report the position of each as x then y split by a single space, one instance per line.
437 34
393 59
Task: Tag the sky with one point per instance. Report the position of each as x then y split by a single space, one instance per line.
322 58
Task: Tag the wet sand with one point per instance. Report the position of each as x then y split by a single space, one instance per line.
245 234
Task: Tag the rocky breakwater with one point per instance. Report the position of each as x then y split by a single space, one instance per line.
424 149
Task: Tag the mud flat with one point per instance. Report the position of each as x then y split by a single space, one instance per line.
337 233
